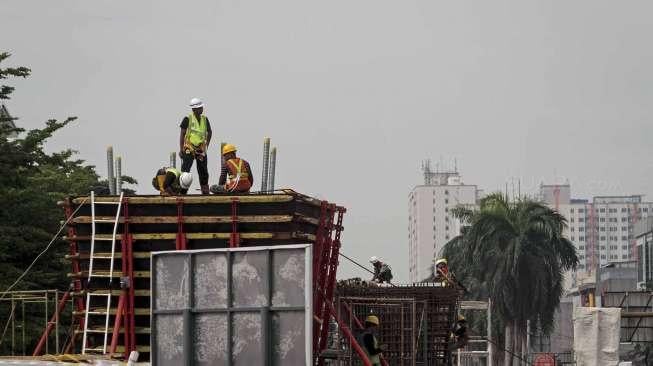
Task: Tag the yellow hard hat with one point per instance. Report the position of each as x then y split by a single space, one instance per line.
373 319
227 148
461 318
440 261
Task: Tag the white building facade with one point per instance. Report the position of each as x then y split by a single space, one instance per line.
601 229
430 221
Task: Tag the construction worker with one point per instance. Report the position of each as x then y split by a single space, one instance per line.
382 271
236 175
370 341
194 140
459 336
445 277
170 181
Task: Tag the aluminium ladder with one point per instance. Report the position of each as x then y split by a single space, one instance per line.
91 275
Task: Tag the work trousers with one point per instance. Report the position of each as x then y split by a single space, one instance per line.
202 167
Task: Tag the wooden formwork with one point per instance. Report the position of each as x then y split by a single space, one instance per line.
416 319
156 223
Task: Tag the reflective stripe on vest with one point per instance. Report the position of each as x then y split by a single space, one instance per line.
238 178
197 130
174 171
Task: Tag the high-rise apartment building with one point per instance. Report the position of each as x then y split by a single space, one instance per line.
602 229
430 222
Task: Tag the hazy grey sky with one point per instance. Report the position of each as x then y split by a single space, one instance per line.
354 93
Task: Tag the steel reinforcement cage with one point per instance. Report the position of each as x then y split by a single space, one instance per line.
156 223
416 320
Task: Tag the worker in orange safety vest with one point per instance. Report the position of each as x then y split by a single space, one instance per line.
236 175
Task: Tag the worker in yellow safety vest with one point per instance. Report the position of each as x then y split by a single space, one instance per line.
170 181
370 340
236 175
194 140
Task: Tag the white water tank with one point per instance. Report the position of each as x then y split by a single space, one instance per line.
454 180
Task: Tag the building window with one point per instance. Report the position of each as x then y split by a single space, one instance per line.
582 247
580 210
602 219
624 228
624 247
602 238
625 256
446 192
582 266
581 229
602 247
581 238
580 219
572 229
573 239
624 238
623 209
623 219
446 228
581 257
645 209
602 228
571 220
571 210
446 237
603 210
446 200
603 256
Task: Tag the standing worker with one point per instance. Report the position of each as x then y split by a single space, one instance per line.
236 175
444 276
171 182
382 271
194 140
370 341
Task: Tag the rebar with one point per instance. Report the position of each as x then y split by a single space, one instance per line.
273 163
110 176
118 175
173 159
266 164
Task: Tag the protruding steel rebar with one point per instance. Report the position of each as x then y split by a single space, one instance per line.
273 163
173 159
266 164
110 177
118 174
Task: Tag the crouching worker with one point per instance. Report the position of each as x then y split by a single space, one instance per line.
236 175
171 182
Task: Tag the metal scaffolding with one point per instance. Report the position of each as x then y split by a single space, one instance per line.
50 304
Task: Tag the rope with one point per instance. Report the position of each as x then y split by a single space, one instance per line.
43 252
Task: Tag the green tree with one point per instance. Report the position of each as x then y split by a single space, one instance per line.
32 183
514 251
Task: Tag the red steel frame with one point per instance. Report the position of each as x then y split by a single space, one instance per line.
51 323
325 263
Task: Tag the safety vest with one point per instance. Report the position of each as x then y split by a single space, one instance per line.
374 359
175 184
197 130
238 179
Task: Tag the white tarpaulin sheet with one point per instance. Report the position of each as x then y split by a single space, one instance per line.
596 336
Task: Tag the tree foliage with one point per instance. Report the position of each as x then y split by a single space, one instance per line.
515 254
32 183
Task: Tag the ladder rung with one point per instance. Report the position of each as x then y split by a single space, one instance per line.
104 221
96 331
102 257
137 330
104 238
137 311
98 295
107 202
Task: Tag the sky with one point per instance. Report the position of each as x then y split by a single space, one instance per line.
355 94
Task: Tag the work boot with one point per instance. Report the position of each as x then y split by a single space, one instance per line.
205 189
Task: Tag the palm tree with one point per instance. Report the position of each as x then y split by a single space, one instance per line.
517 253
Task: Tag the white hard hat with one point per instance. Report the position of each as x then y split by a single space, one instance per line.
374 259
185 180
196 103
